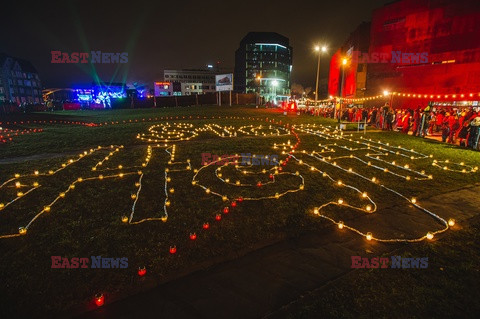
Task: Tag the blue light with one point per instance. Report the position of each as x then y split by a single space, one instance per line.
84 95
278 45
141 92
103 98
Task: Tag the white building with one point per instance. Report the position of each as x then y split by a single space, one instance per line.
195 88
192 81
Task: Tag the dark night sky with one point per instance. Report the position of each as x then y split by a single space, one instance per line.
170 34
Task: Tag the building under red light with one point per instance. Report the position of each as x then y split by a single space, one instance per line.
447 31
334 74
352 74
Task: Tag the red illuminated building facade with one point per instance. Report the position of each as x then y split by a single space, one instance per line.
426 47
354 72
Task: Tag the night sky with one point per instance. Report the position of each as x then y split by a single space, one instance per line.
170 34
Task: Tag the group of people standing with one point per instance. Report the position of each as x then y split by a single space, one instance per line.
455 125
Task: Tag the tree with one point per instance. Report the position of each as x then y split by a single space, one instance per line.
297 89
308 90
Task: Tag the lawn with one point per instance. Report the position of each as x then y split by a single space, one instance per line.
445 290
88 220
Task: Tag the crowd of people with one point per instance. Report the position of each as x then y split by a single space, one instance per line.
459 126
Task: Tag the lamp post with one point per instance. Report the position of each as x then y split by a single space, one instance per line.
344 63
387 93
274 85
259 79
323 49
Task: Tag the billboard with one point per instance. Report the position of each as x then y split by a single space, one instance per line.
163 88
224 82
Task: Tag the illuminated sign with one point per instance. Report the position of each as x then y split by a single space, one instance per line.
163 88
224 82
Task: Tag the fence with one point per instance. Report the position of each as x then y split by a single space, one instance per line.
135 103
13 108
186 100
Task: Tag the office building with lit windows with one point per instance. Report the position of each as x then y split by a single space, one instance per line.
191 81
263 64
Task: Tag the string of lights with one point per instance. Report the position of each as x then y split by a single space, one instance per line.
322 132
177 132
430 96
7 135
36 185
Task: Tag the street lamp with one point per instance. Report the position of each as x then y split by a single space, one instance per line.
274 85
387 93
390 104
319 50
259 79
344 64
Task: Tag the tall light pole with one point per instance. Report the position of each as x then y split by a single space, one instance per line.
323 49
275 84
259 79
387 93
344 64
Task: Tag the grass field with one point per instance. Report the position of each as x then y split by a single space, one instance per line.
445 290
87 221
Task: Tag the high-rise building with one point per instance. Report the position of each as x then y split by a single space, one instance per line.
263 64
19 81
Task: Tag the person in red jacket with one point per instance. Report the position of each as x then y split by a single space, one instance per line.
445 127
439 120
358 115
431 123
416 122
406 122
461 120
400 120
350 115
454 126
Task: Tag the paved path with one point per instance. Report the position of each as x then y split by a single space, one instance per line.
251 286
259 283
